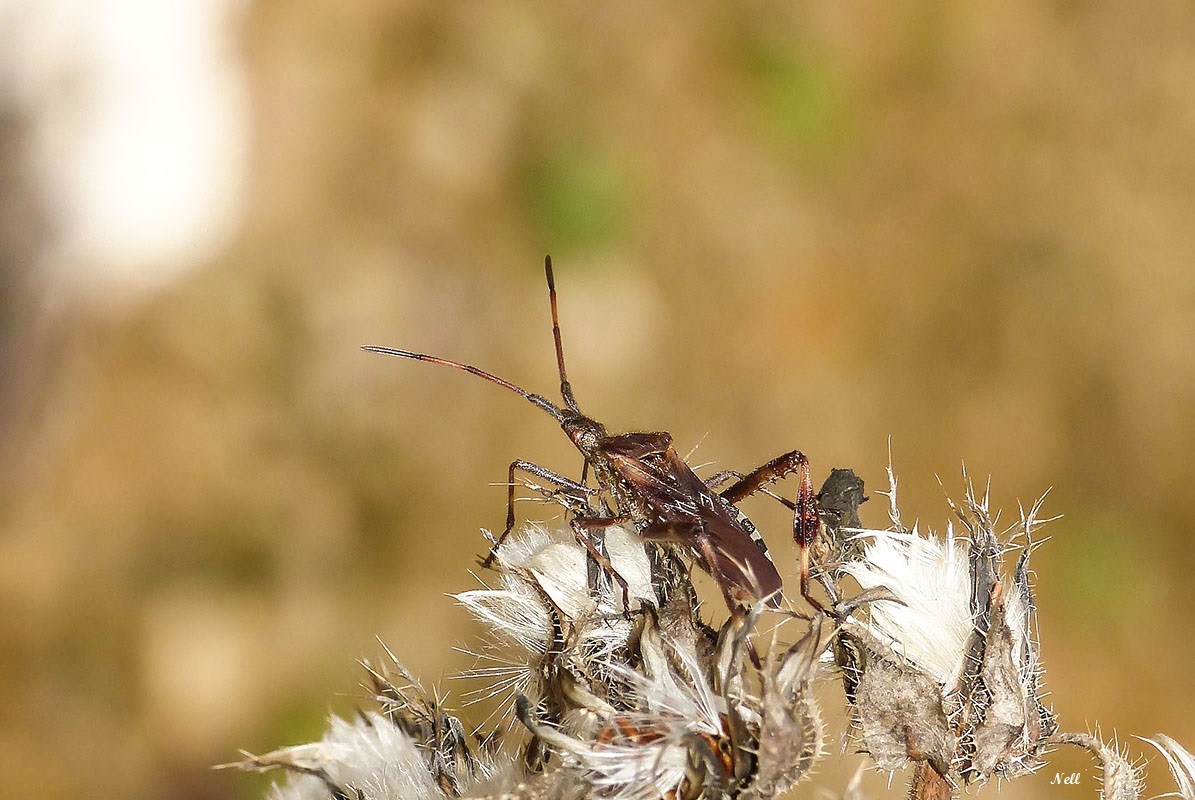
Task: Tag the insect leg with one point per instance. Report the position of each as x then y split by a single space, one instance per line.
717 479
734 600
806 527
806 519
694 536
581 528
540 472
759 478
737 599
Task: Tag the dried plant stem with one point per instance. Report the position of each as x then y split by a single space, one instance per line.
929 784
1121 780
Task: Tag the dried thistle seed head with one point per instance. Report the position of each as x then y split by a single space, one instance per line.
949 672
789 739
410 750
901 666
929 624
900 708
754 737
1008 726
554 626
664 704
666 735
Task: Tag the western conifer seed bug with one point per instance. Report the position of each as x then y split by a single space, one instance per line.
655 490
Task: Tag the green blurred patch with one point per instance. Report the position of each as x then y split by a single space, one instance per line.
797 100
230 547
297 720
370 469
251 785
577 197
1109 576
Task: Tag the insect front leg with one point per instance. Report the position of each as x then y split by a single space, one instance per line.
806 519
578 490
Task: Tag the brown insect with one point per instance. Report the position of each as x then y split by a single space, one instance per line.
653 488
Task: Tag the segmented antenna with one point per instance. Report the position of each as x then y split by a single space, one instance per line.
566 389
534 399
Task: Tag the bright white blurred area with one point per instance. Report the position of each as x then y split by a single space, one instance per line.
137 124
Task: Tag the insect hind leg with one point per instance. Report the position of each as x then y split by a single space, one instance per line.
719 478
806 518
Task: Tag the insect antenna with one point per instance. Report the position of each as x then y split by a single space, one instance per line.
566 389
534 399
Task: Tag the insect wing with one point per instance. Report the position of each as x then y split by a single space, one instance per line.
672 493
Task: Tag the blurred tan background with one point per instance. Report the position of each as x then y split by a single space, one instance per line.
964 227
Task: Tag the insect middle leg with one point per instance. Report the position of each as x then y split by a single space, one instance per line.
806 519
581 528
576 491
